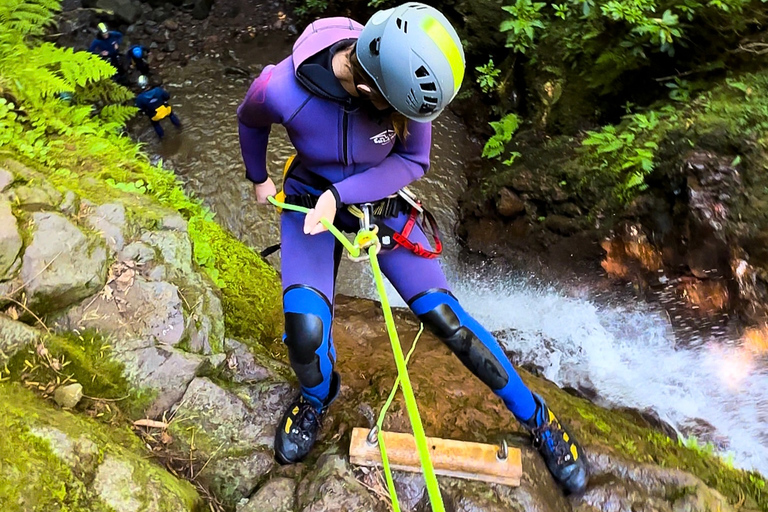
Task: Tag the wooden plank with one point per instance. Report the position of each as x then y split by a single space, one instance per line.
461 459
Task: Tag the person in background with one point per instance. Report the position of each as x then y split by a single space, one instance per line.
137 58
154 104
357 103
107 46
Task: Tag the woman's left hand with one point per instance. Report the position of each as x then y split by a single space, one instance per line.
324 209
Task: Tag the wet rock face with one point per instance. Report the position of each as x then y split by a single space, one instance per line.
10 240
102 467
332 486
61 265
234 430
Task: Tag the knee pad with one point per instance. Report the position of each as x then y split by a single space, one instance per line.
307 330
471 343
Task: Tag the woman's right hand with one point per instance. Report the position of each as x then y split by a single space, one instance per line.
264 190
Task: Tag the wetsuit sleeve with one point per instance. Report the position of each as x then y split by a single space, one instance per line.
95 47
407 163
165 95
255 116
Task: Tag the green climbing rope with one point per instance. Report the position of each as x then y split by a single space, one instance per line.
367 239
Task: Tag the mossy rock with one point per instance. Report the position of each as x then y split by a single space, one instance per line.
53 460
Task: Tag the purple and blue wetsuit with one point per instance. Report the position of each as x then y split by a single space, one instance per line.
344 147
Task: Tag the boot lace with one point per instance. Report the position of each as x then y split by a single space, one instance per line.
550 435
308 419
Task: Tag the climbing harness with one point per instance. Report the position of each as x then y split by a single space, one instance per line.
480 461
404 201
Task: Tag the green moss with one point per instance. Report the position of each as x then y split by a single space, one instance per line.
250 287
34 479
618 433
84 358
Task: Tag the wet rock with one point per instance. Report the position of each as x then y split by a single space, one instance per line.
277 495
132 308
6 179
138 252
174 247
119 485
79 453
68 396
14 336
163 371
561 225
621 485
204 321
123 11
201 8
240 365
235 430
508 204
101 466
569 210
704 432
61 266
109 221
650 418
70 205
332 486
234 477
174 223
10 240
171 24
35 198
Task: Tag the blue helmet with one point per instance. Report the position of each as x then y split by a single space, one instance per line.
137 51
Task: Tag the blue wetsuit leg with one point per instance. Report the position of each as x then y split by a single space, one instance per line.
422 284
308 274
158 128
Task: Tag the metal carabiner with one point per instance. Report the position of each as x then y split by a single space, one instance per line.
365 221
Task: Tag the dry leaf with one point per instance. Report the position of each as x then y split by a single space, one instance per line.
150 423
166 438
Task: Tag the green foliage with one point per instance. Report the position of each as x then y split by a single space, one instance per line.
32 117
311 7
488 75
522 26
626 152
504 129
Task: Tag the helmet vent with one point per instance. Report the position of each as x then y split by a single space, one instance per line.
427 108
402 25
428 86
411 99
422 72
375 46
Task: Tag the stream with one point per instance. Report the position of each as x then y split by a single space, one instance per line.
648 355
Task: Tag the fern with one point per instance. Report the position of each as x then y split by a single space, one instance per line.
504 129
33 75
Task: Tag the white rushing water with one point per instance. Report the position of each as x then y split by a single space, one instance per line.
630 357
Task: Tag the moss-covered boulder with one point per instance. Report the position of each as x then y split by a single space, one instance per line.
54 460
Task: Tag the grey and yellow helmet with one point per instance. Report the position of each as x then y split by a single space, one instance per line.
103 30
143 81
415 58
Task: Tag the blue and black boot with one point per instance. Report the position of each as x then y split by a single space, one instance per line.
298 429
560 451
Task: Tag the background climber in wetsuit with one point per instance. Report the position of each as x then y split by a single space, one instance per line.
154 104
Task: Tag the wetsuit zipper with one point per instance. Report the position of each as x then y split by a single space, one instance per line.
344 126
